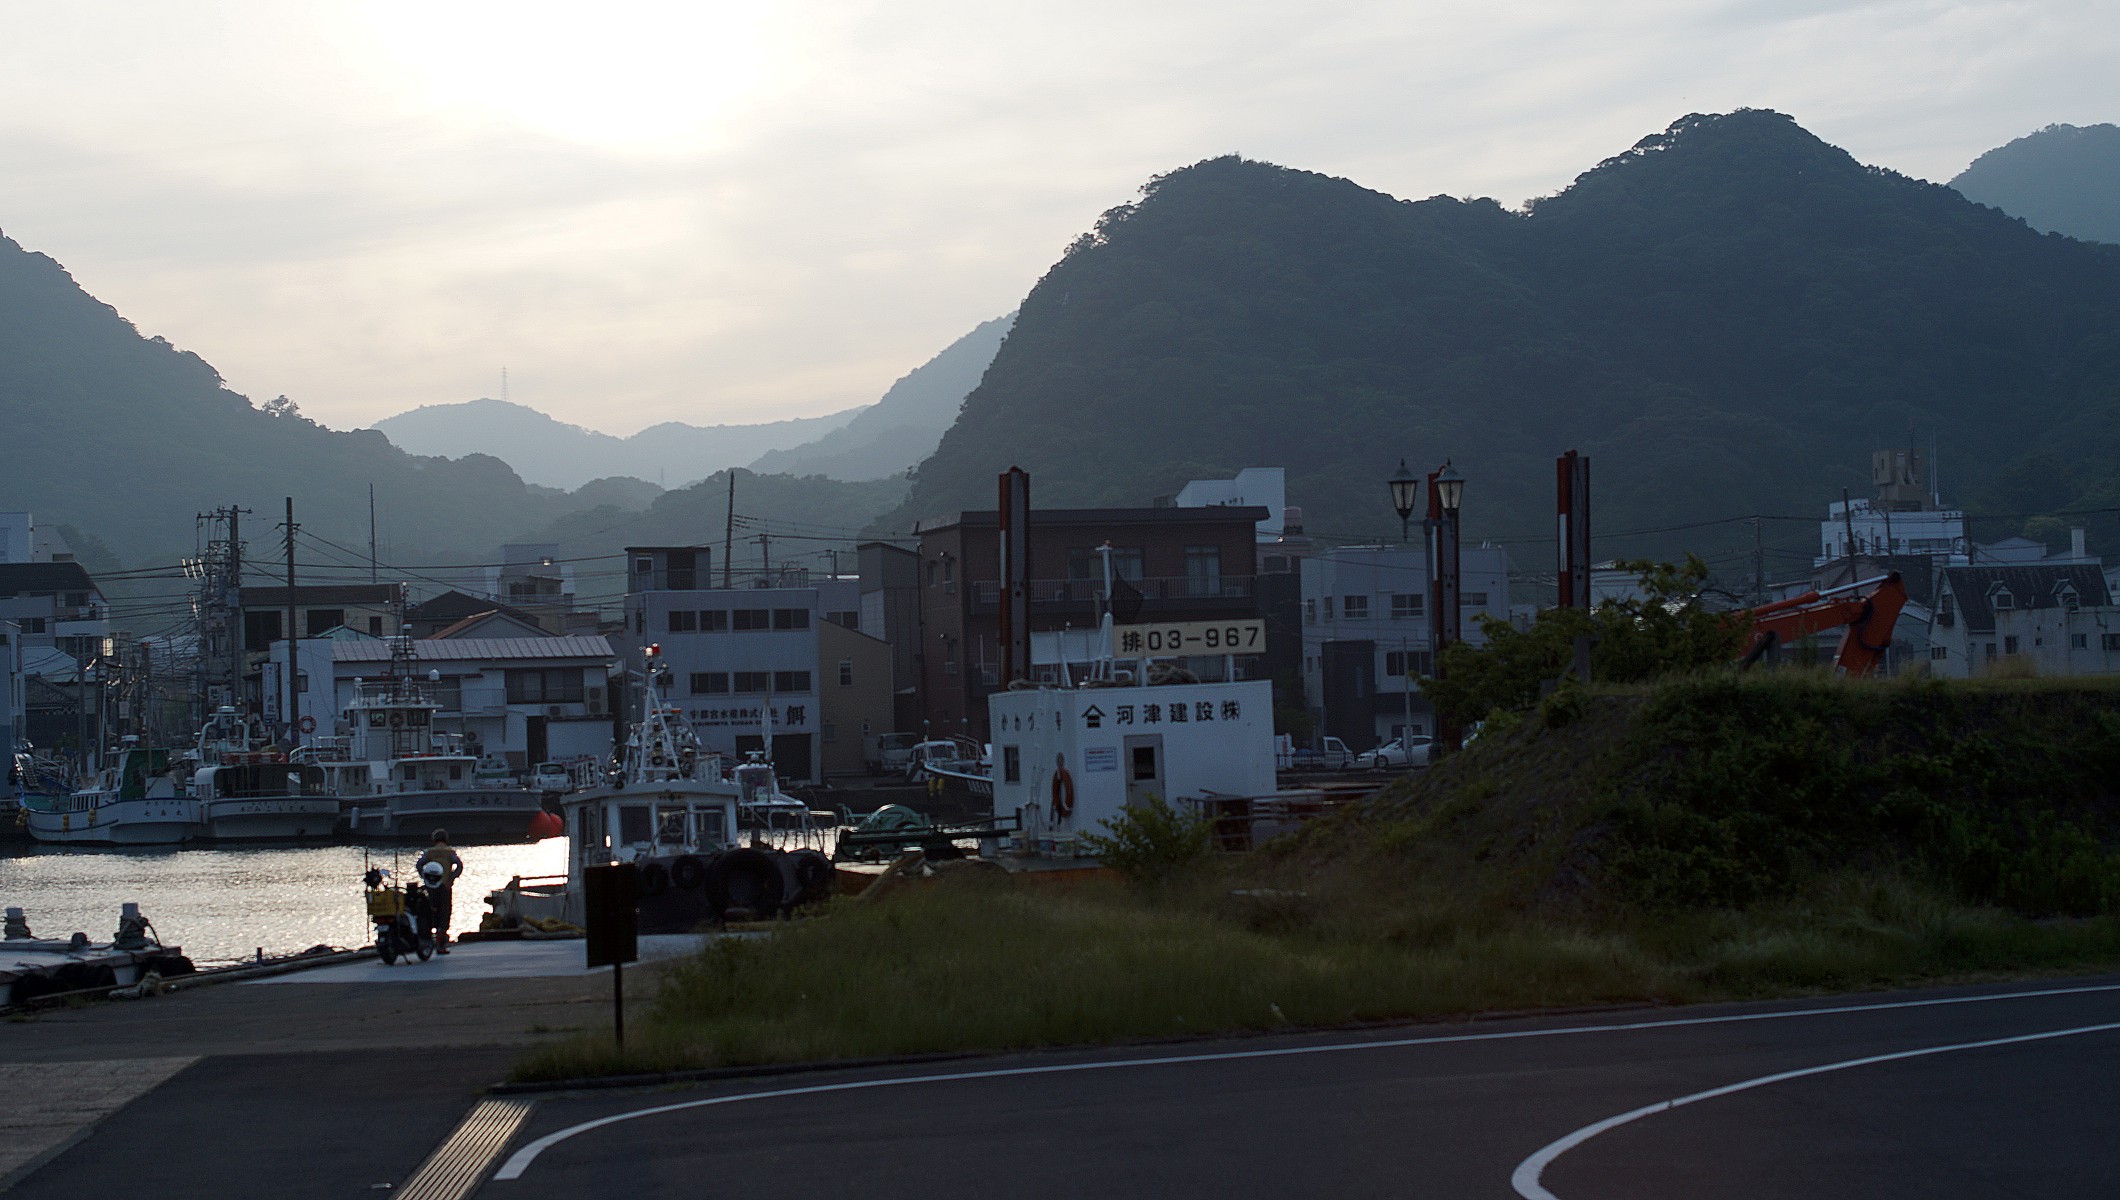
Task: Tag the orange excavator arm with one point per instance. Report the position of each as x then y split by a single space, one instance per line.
1868 609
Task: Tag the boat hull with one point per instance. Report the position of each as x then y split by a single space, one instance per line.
469 814
153 822
271 819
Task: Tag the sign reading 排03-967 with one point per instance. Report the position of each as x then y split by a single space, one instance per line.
1246 636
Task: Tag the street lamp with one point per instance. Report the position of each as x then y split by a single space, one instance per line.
1405 493
1446 491
1449 489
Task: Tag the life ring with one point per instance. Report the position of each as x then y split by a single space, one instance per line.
1063 790
307 724
397 720
688 872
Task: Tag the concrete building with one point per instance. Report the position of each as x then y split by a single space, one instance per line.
57 605
1253 487
1366 634
2045 618
890 610
1906 517
14 690
437 613
855 678
1187 564
742 654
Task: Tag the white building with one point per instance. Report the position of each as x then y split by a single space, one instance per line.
1366 634
524 699
2055 618
14 681
1265 487
1122 744
740 656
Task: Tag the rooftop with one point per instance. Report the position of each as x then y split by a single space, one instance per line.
1224 514
597 648
17 578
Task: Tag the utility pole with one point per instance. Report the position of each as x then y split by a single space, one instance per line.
1759 564
765 552
291 711
371 520
1847 518
728 534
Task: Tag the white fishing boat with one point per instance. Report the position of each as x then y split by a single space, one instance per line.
248 792
682 816
136 800
397 779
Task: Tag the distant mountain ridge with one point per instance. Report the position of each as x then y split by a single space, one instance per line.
552 453
1728 317
895 433
2063 179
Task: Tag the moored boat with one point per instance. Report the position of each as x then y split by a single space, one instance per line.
134 801
248 793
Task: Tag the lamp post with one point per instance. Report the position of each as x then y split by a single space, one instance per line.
1405 492
1446 492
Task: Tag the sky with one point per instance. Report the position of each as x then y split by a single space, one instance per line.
733 212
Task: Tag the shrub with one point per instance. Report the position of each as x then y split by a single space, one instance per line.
1150 840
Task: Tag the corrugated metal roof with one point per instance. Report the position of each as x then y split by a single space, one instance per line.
484 649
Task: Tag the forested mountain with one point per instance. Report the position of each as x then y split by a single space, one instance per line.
121 439
903 427
1728 318
555 454
2062 179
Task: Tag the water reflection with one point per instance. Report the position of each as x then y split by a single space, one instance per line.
225 904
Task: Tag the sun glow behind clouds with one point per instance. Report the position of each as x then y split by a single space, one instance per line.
641 75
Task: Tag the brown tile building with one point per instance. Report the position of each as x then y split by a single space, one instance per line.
1190 564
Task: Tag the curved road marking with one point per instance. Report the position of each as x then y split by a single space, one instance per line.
1526 1177
520 1161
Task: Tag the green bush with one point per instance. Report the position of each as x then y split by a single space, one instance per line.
1150 840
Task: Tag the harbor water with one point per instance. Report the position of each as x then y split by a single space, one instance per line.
225 904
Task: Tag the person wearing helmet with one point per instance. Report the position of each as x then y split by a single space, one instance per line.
439 869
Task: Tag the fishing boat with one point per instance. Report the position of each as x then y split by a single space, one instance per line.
135 800
397 779
248 792
32 779
692 824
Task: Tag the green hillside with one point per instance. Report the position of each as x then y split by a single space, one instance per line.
1728 318
2063 179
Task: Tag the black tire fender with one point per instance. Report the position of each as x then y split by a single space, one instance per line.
688 872
745 878
806 876
654 879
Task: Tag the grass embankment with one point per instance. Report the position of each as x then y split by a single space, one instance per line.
1694 841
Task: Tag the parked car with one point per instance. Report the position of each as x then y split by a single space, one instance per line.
1332 756
552 777
938 751
891 752
1404 751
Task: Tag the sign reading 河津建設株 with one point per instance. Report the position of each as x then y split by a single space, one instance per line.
1172 638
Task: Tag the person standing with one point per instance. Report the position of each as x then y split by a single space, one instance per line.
443 855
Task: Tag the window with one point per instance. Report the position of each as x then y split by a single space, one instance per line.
448 691
791 618
753 681
949 569
36 625
2068 598
375 626
1328 608
546 685
320 620
681 564
791 681
301 682
1938 654
2009 644
1011 764
750 618
1400 663
1408 606
2000 598
1991 652
260 630
932 568
846 672
2112 642
643 566
2079 641
710 683
713 620
1476 599
1355 608
683 620
849 619
1128 563
1203 570
1276 564
1310 612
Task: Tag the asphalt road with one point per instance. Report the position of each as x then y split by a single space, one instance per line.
1435 1111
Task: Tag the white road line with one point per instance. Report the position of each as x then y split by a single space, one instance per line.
1526 1177
520 1161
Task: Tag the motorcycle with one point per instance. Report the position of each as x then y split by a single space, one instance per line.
403 925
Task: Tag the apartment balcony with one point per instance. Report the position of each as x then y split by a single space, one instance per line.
1161 595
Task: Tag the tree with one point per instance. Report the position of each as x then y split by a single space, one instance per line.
281 406
1665 632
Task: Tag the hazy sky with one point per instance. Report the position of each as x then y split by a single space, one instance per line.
735 212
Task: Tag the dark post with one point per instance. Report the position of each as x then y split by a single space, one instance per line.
728 534
291 712
610 910
1015 522
1573 470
